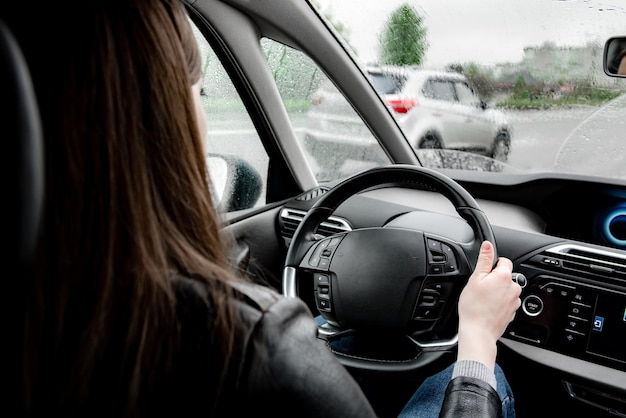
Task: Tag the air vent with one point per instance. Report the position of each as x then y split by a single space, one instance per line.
573 258
312 194
290 219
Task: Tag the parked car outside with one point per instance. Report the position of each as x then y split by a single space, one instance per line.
436 109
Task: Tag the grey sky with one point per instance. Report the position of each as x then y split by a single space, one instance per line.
485 31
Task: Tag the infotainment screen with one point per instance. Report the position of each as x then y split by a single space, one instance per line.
608 331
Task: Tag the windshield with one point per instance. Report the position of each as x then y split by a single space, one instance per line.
533 96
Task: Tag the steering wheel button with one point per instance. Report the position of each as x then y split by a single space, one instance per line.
324 263
438 258
437 287
323 304
434 245
429 300
447 250
321 279
334 241
314 260
428 313
315 257
435 269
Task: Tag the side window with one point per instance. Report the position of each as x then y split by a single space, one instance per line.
466 95
236 158
334 138
439 90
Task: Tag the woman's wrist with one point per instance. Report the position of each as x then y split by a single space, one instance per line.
477 345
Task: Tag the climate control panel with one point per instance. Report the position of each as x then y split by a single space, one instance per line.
582 321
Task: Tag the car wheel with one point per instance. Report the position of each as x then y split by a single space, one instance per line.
429 141
501 147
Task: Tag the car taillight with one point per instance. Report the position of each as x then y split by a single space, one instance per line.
402 105
317 98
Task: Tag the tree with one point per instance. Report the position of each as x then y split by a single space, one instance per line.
404 38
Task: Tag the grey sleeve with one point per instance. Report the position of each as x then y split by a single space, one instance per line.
471 368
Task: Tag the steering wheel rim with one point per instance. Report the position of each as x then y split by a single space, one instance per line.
408 176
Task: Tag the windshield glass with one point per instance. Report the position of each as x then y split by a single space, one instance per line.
532 94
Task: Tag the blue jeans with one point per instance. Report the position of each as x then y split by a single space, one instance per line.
426 402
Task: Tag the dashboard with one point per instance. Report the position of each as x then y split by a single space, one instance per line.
566 236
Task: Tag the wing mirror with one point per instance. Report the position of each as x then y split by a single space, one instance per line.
236 184
614 60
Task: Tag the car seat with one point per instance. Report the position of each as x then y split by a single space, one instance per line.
23 154
23 194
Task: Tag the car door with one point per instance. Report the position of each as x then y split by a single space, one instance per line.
480 128
446 116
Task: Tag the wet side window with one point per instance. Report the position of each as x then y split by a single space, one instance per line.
334 138
439 90
466 95
236 158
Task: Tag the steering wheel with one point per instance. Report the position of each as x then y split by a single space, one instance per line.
391 286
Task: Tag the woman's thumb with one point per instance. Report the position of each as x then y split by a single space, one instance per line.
485 259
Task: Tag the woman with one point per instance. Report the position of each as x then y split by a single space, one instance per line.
134 309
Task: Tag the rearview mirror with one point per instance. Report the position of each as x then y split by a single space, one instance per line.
615 56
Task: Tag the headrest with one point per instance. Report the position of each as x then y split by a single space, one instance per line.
20 127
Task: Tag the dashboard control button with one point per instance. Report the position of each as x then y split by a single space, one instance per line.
520 279
576 324
581 299
579 310
532 305
573 339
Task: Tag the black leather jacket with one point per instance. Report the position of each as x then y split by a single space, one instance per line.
288 371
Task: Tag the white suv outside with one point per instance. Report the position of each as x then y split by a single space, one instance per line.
435 109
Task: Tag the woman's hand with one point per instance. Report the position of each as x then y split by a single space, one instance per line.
487 305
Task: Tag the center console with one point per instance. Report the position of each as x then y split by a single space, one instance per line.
574 304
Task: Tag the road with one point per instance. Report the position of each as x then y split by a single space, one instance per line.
543 130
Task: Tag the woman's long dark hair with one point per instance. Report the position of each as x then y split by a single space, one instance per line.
127 209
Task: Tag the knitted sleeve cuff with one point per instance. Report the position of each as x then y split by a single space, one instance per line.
471 368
